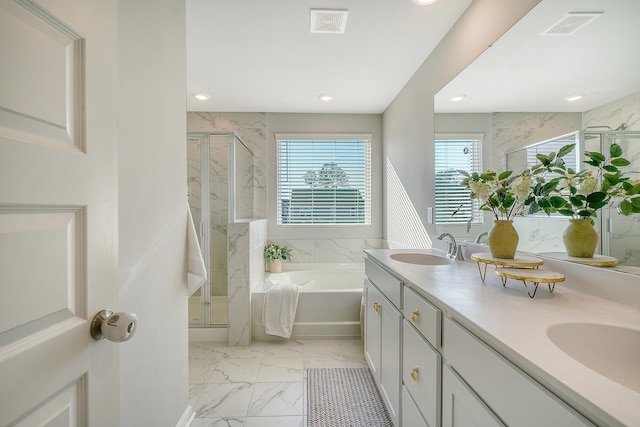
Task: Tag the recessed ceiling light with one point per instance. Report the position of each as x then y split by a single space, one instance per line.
458 98
574 98
423 2
201 96
325 97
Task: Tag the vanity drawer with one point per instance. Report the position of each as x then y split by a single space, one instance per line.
421 373
388 284
424 316
496 381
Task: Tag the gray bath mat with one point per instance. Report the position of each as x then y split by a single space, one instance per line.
345 397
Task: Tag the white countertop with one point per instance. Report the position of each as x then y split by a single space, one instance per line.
515 325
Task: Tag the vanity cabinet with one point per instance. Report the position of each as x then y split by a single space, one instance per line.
382 334
515 397
461 407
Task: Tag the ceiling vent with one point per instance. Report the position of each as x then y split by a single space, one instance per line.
328 21
571 23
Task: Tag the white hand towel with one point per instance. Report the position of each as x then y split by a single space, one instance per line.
196 271
279 310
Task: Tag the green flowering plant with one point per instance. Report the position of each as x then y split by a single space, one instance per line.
504 194
273 251
580 195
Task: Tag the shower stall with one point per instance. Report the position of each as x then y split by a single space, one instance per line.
220 190
619 234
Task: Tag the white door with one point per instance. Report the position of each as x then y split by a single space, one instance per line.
58 212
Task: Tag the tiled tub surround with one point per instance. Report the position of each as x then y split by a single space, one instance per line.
262 385
515 325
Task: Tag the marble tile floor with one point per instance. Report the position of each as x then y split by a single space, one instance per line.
262 385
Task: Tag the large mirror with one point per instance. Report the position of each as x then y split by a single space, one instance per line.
517 94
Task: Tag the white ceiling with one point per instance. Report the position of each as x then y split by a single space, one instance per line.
526 71
259 56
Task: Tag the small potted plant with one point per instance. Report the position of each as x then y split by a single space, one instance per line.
275 254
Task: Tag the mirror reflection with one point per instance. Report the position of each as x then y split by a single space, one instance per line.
515 98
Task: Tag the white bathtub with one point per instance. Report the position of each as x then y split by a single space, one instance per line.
328 305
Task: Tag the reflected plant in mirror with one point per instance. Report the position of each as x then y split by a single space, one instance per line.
582 194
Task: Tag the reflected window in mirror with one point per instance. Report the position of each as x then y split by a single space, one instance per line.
455 152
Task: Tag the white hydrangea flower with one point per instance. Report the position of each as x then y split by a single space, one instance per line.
522 188
481 190
589 184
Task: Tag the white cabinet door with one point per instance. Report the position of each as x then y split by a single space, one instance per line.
390 358
461 407
372 328
58 211
421 373
411 416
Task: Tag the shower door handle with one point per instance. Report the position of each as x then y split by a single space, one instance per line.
116 327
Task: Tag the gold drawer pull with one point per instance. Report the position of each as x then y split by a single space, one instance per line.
414 373
414 316
377 306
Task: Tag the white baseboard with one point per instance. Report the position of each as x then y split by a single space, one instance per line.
187 417
207 334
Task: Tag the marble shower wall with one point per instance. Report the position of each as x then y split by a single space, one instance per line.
626 229
252 128
245 272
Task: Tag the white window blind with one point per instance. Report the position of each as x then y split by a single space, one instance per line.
453 153
324 180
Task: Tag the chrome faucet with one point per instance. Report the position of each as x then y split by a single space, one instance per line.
480 236
454 250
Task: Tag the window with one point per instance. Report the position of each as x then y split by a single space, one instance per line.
453 153
324 179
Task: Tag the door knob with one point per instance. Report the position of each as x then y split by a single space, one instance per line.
116 327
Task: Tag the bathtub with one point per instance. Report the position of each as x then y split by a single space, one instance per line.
328 304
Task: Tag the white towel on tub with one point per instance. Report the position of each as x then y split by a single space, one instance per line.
279 310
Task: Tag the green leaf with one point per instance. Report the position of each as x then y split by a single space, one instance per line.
565 212
597 196
504 175
599 157
620 162
543 159
577 200
488 176
557 201
585 213
508 201
610 168
544 203
615 150
566 150
625 207
464 173
597 205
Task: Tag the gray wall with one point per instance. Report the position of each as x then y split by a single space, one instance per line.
408 123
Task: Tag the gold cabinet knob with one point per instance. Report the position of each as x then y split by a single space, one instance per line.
414 316
414 373
377 307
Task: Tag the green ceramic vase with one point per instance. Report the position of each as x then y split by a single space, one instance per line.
580 238
503 239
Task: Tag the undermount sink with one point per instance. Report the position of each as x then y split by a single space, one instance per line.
612 351
420 259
